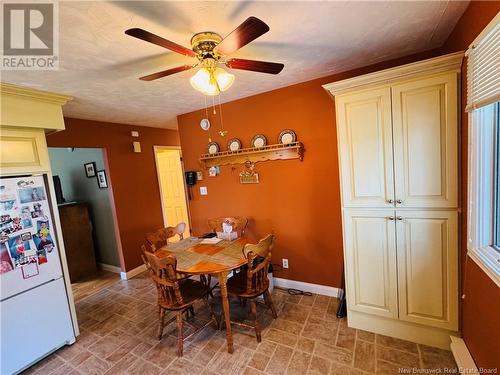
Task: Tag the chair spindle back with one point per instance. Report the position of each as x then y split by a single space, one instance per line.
162 271
239 224
258 260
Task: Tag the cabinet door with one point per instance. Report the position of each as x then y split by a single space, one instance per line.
364 134
23 150
427 246
370 261
425 142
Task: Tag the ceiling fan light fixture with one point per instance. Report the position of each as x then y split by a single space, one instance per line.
211 81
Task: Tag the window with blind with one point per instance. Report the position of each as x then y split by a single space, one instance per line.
483 68
483 105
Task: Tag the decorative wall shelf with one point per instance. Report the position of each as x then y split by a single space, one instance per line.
293 150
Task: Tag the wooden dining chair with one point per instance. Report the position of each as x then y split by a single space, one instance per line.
175 295
239 224
159 238
252 282
177 230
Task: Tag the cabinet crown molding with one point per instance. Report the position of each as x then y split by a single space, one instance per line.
435 65
32 94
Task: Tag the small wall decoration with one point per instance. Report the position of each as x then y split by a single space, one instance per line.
287 136
234 144
259 141
90 169
214 171
102 181
213 148
249 176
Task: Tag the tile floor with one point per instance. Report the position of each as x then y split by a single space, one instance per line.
118 327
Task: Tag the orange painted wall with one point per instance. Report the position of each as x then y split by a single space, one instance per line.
132 175
300 201
480 319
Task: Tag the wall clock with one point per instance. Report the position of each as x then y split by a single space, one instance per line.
205 124
287 136
213 148
259 141
234 144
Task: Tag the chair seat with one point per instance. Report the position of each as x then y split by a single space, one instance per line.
237 286
191 290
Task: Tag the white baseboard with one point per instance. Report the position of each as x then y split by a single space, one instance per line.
306 287
109 267
464 360
132 273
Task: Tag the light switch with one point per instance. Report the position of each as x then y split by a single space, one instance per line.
137 146
203 190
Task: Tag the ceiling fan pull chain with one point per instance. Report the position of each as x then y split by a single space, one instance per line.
220 115
213 105
206 106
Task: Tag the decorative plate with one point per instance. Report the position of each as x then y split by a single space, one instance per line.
287 136
205 124
259 141
213 148
233 144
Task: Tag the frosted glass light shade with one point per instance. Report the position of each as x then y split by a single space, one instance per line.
224 79
211 82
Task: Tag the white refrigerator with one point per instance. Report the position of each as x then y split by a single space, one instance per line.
35 314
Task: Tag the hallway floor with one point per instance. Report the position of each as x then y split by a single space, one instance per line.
118 322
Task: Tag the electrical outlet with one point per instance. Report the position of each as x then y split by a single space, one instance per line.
203 190
285 263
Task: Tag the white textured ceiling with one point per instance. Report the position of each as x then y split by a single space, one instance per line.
100 65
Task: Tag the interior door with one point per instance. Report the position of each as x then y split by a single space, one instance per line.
172 188
425 142
428 267
364 132
370 261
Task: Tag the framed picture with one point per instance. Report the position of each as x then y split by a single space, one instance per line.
102 181
90 169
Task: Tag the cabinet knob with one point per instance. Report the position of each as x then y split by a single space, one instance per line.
399 218
391 218
390 201
399 201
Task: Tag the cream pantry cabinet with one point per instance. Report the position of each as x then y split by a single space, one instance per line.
398 144
402 264
397 133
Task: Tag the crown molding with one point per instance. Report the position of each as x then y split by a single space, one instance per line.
445 63
43 96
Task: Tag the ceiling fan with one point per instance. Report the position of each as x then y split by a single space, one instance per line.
212 50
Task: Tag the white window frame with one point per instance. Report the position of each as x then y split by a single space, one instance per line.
481 169
481 195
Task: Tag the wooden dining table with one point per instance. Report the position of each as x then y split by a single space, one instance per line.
218 260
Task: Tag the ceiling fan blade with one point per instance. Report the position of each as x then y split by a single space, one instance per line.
167 72
255 66
249 30
159 41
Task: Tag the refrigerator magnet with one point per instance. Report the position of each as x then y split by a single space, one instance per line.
30 269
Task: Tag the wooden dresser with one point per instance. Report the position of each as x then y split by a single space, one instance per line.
77 234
